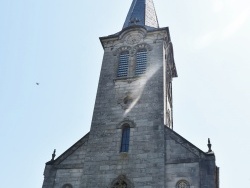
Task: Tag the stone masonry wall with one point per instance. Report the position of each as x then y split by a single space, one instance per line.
157 157
67 168
144 164
186 162
183 171
68 176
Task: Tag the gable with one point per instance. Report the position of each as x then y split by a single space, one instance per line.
74 155
180 150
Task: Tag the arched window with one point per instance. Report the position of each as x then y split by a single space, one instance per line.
182 184
125 138
121 182
141 61
123 64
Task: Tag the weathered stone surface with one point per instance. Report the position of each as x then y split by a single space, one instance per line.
157 156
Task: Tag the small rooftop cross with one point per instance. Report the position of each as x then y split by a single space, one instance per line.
141 12
134 21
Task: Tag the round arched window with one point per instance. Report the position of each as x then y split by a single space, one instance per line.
182 184
121 182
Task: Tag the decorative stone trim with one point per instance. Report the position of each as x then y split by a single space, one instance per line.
126 121
141 46
121 182
134 38
128 79
182 184
121 49
131 60
170 59
125 101
108 43
130 34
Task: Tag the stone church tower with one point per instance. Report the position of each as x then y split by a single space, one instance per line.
131 143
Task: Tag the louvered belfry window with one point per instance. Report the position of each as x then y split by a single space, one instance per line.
123 64
125 139
141 62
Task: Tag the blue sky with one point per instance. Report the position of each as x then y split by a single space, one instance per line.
56 44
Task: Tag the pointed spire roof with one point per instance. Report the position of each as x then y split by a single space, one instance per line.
142 12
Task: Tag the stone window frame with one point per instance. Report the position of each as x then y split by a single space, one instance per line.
126 121
181 182
121 125
131 60
120 179
117 53
125 139
120 64
141 61
134 51
67 185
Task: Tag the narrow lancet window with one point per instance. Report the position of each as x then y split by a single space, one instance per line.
141 62
125 139
123 64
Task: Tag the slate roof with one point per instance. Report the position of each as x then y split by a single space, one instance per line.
142 12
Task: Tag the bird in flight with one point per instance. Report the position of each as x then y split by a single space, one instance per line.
37 83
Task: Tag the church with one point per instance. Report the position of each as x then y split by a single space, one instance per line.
131 143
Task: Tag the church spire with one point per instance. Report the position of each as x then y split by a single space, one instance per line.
142 12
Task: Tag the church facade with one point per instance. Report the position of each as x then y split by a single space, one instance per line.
131 143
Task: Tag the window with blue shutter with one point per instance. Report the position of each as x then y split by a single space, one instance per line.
125 139
123 64
141 62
